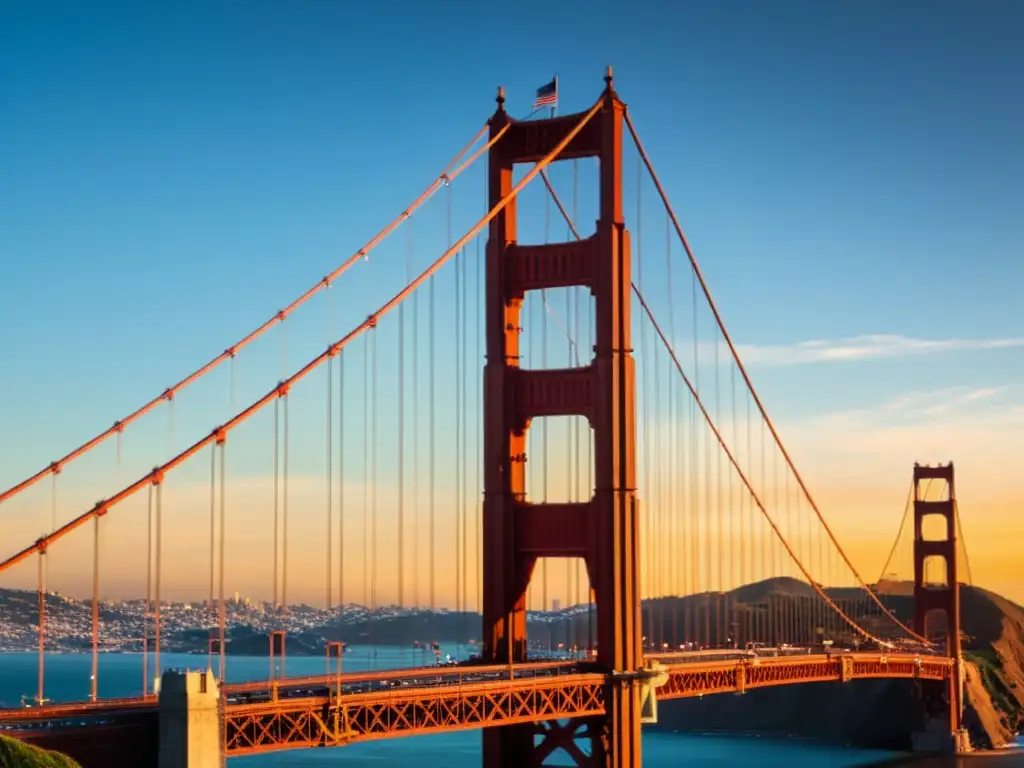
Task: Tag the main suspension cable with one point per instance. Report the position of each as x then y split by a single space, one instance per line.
451 171
713 428
729 455
899 533
750 385
311 365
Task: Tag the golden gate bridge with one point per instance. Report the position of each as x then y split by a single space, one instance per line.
652 472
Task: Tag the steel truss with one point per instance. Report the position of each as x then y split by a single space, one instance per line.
686 680
321 721
561 708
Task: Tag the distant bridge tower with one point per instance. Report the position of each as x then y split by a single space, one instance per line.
943 596
604 530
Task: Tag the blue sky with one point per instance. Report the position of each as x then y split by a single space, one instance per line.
172 176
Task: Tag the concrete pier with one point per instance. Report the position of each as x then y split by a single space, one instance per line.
190 734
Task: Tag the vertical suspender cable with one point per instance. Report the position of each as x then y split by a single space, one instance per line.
766 538
587 427
648 563
457 458
719 497
213 522
791 536
159 569
163 496
95 607
41 588
432 450
329 421
221 606
366 476
533 468
373 485
464 329
752 520
573 447
735 526
572 567
341 484
148 614
775 502
545 603
575 340
669 534
401 443
695 432
478 408
415 428
277 496
659 503
284 507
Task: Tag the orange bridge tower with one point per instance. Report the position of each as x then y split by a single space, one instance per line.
935 541
604 531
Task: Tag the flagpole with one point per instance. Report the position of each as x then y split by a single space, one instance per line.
555 105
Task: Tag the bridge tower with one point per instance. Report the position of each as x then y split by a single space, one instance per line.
603 530
943 597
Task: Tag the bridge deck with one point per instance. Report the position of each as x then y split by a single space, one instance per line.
304 712
324 721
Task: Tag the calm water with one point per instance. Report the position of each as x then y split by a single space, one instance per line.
67 678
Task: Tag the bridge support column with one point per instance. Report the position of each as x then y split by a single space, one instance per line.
190 732
603 530
941 597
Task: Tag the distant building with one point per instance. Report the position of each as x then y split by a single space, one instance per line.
556 605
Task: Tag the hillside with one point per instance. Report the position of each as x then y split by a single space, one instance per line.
16 754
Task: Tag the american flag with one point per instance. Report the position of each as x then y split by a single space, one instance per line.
547 95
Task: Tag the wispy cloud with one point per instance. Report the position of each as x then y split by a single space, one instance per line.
974 404
978 427
868 347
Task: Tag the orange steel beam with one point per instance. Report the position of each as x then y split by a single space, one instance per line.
399 674
686 680
298 723
446 177
220 433
332 721
323 721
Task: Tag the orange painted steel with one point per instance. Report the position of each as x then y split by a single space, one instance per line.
944 597
604 530
297 723
324 721
219 434
72 709
446 177
329 721
405 673
688 680
750 384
